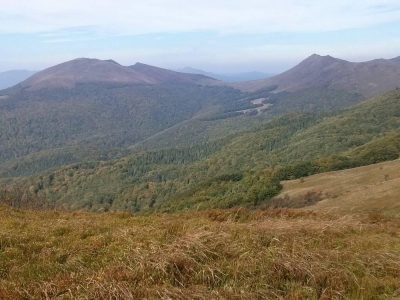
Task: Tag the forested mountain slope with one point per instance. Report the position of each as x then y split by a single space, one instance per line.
250 163
219 124
95 114
94 103
102 106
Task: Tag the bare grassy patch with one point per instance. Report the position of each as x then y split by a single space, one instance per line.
372 189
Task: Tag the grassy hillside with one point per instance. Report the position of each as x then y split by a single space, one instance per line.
374 188
218 254
292 146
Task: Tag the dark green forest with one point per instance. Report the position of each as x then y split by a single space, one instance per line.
107 116
244 168
311 100
53 127
219 123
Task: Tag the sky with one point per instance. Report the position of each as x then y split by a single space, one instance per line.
214 35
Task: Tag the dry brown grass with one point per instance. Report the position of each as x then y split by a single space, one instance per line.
369 189
218 254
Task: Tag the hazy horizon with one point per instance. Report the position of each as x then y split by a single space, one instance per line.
222 37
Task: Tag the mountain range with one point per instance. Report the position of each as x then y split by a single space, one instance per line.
185 186
141 118
317 83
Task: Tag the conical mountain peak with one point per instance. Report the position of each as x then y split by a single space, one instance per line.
368 78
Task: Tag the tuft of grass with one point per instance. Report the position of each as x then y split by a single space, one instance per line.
216 254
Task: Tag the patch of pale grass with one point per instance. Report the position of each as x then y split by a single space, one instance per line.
369 189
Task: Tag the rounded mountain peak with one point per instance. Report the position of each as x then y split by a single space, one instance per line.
88 70
83 70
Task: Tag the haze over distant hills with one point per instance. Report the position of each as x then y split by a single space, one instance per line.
228 77
11 78
369 78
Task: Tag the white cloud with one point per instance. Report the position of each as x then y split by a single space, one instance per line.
224 16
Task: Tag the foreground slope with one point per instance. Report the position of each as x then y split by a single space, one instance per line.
369 78
218 254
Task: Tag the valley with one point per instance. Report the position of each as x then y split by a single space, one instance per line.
150 145
131 106
211 174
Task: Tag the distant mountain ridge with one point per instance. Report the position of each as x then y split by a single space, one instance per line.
228 77
369 78
85 70
13 77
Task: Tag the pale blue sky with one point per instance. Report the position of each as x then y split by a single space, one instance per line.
218 36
